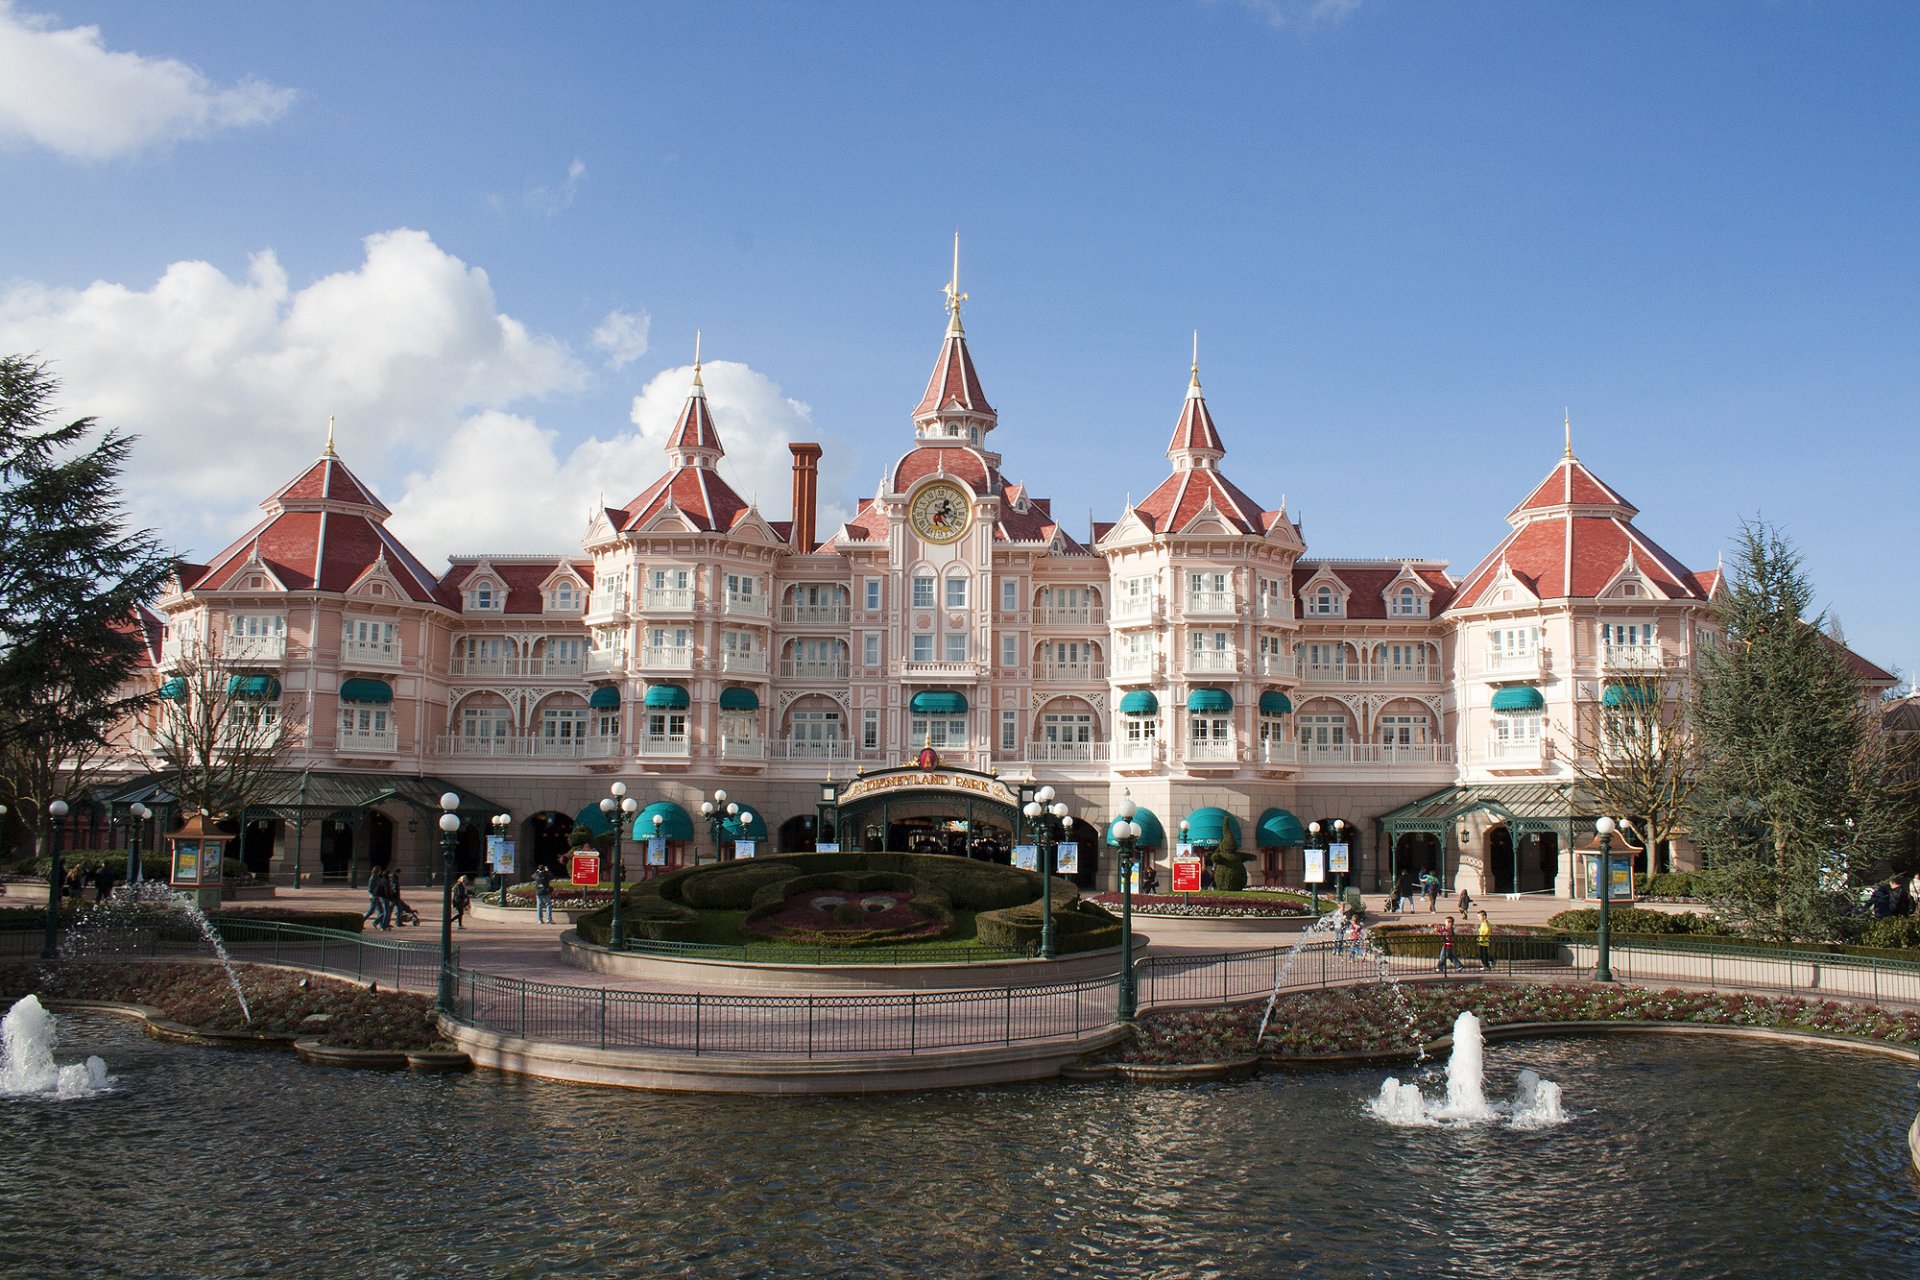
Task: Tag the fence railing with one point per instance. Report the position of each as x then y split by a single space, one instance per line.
797 953
821 1025
331 951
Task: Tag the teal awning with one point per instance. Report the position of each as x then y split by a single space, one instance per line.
363 690
667 697
1279 829
1139 702
593 820
1275 703
605 698
938 702
675 824
1151 834
254 688
1207 826
1639 695
1210 700
734 829
175 689
1518 700
739 700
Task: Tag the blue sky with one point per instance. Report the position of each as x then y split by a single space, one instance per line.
1410 235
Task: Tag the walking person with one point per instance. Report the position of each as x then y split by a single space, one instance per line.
1357 938
462 899
1466 903
1447 957
376 910
543 893
1341 920
1403 892
1483 938
1430 885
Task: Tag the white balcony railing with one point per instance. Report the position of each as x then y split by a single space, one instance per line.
743 748
1633 657
1273 609
745 663
1129 665
1375 753
667 599
1527 661
1326 672
1066 752
746 606
667 657
563 665
670 745
936 671
526 746
1274 664
1211 602
1403 673
1140 751
367 740
1136 610
1212 660
1073 671
485 665
1515 751
1279 751
799 749
815 615
253 648
806 669
1070 615
370 653
1212 751
607 660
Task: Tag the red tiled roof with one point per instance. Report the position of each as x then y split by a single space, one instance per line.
954 383
1367 585
1577 556
522 579
1571 484
1195 429
1185 494
695 429
697 492
327 480
960 462
1035 524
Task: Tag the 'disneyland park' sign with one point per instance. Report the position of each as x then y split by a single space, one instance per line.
929 780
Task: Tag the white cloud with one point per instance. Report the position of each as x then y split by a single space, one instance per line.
65 90
229 382
551 201
623 336
500 485
1299 14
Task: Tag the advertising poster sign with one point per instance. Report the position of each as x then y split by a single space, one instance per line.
1186 875
1066 858
586 869
1316 872
743 848
186 864
1026 857
1339 860
656 852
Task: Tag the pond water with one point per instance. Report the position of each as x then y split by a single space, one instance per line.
1680 1158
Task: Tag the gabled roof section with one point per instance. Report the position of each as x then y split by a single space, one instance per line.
694 437
1571 486
326 482
1194 434
707 502
1183 495
1368 582
955 384
955 461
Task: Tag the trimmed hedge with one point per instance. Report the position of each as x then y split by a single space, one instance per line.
1510 942
1634 920
345 921
1669 884
1081 926
1892 934
153 866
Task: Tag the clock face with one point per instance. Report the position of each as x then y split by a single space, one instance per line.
941 512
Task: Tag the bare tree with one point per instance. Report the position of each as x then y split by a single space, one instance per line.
1642 763
219 734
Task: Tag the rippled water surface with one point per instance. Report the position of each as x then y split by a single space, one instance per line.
1683 1158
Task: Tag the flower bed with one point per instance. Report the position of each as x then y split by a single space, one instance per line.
1372 1020
1208 905
200 996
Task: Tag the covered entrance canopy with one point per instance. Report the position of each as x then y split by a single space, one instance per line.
307 795
920 810
1559 809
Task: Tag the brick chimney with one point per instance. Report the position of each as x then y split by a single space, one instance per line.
806 484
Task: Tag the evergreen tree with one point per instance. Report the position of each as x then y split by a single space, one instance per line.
1793 806
73 578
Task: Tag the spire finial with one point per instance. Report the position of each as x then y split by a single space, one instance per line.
696 359
1569 426
330 453
952 289
1196 358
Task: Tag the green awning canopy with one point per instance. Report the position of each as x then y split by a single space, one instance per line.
363 690
1518 700
1620 695
308 795
1279 829
605 698
1139 702
938 702
1151 834
1214 701
739 700
674 825
253 688
593 820
667 697
734 829
1275 703
1209 825
174 690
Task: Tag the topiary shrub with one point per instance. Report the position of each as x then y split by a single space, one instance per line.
1229 864
1080 926
1634 920
733 886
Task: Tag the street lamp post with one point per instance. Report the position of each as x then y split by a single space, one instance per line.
620 807
1126 834
140 814
1603 962
500 822
1051 818
56 881
1313 842
659 820
716 811
1340 837
449 826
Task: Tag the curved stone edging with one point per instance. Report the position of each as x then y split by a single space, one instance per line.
311 1050
672 1072
1227 924
156 1024
520 915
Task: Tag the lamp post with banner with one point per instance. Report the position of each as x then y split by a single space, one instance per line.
1049 817
716 811
1603 960
1315 870
1126 834
620 807
1340 857
449 827
500 822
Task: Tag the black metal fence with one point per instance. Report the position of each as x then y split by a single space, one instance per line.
330 951
798 953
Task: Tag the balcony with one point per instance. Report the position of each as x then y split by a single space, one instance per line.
1274 665
1073 671
745 606
563 665
360 740
1212 660
1375 754
744 663
1211 603
1134 666
485 665
1137 752
253 648
1328 672
671 746
743 748
1633 657
799 749
824 670
935 672
603 660
1516 753
1212 753
815 615
370 653
1531 662
667 600
1279 751
1137 610
1403 673
666 657
1066 752
526 746
1071 615
1274 609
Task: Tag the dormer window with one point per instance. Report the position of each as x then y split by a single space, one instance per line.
1324 602
487 597
565 597
1409 603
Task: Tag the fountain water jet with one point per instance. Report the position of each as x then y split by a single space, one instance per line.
132 908
27 1068
1535 1104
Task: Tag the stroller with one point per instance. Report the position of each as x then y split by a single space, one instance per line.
402 913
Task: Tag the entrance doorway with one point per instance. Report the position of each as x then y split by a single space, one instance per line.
1503 870
1415 853
546 837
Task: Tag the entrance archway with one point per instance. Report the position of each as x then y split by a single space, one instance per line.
956 812
1414 854
545 834
796 835
1502 868
336 848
